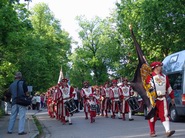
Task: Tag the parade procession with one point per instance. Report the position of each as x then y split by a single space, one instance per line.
117 97
108 100
92 68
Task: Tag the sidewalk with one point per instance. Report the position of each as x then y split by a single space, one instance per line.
30 126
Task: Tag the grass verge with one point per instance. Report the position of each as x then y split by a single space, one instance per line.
1 112
39 126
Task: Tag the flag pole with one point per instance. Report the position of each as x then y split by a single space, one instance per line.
61 75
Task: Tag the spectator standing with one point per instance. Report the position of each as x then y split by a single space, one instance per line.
42 100
77 98
34 101
45 99
38 100
18 87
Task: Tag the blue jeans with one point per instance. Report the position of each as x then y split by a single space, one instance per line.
22 117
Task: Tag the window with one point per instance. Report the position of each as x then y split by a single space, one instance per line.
174 58
175 81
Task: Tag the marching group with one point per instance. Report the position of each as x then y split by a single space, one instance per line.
96 100
62 100
111 98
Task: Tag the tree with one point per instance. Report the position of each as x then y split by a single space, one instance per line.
51 49
13 29
100 52
38 54
157 23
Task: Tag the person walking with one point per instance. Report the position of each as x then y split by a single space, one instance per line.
115 96
106 103
38 101
127 92
160 83
67 94
34 101
85 92
77 98
18 87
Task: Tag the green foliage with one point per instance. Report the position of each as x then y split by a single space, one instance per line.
157 24
33 45
1 112
99 53
38 124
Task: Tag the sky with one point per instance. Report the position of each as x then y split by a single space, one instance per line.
67 10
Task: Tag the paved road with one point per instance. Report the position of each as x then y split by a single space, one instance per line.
104 128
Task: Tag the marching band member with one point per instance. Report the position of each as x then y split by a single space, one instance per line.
57 95
50 103
85 92
160 83
106 103
115 96
77 98
98 97
59 102
92 107
67 93
127 91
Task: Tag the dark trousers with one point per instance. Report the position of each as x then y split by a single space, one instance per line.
38 106
81 104
33 106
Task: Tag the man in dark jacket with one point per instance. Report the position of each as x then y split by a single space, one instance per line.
18 88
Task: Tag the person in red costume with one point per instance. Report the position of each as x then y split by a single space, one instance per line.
116 97
56 99
106 103
67 93
127 91
160 83
59 102
50 103
85 92
98 99
92 107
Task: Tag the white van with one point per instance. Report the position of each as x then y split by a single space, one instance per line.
174 68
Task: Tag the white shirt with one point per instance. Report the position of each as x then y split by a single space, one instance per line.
38 99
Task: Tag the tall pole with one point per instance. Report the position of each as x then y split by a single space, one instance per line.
61 75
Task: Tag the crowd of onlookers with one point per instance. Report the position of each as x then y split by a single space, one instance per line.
38 101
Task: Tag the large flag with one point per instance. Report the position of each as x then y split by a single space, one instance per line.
137 82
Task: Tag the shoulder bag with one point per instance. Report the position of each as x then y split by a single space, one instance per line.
22 100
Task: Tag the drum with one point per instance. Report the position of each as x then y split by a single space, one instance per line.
133 103
70 106
93 107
